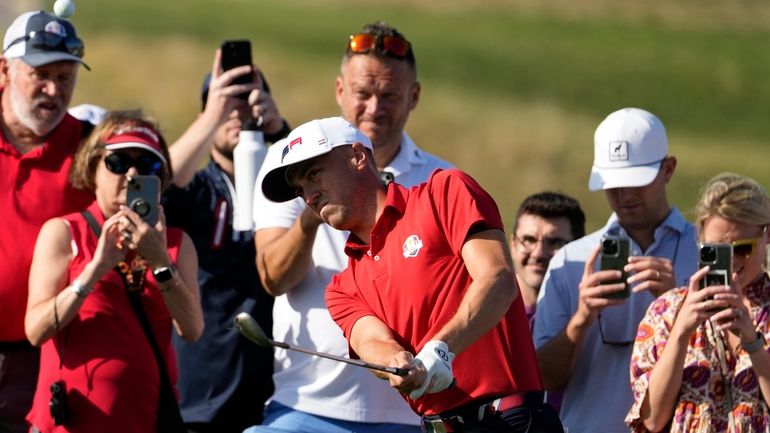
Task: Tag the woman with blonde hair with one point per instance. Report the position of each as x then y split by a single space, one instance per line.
94 274
700 361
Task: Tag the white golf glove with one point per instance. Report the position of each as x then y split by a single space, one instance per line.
437 359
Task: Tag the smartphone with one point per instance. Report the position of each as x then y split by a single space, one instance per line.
719 258
142 197
615 251
237 53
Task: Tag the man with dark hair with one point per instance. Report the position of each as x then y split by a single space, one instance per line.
297 253
544 223
223 378
38 71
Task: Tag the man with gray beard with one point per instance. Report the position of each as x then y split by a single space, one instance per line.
38 70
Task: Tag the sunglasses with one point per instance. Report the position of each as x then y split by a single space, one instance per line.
746 247
609 342
51 42
119 163
395 46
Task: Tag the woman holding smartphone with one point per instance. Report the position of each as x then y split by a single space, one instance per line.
99 370
700 361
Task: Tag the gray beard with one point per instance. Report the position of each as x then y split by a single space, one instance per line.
22 109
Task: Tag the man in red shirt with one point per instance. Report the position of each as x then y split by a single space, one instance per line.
429 286
38 69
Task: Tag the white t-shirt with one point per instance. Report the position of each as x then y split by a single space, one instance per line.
316 385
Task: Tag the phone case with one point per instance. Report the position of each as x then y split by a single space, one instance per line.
236 53
142 197
615 251
719 258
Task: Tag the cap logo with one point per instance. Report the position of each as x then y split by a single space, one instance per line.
618 151
56 28
295 142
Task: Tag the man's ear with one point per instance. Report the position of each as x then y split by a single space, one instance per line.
4 66
360 155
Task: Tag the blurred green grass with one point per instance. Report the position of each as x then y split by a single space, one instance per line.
512 90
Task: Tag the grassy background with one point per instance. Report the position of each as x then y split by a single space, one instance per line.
512 89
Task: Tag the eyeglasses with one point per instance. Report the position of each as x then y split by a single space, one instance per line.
611 342
745 247
51 42
395 46
119 163
527 243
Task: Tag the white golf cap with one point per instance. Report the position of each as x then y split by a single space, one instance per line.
39 38
629 146
90 113
307 141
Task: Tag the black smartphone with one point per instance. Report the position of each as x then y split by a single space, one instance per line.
614 256
719 258
237 53
142 197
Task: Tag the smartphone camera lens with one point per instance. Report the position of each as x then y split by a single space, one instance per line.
708 254
141 207
610 247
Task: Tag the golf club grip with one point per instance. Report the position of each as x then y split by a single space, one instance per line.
392 370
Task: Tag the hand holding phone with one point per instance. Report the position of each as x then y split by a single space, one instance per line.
719 258
614 256
142 197
237 53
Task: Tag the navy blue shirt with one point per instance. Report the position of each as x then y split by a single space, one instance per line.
223 377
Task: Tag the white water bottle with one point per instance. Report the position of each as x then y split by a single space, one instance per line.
247 158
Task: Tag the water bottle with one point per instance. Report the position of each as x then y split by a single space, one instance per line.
248 156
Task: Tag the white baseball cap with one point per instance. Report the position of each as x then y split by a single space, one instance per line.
39 38
629 147
307 141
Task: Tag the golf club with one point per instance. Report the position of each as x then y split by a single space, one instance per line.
249 328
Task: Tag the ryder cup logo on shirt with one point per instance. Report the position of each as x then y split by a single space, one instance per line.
412 246
618 151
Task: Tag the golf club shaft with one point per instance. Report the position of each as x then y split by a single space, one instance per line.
249 328
392 370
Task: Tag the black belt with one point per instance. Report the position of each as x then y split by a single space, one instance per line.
457 420
15 346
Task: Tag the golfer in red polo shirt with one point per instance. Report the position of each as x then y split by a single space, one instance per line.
429 286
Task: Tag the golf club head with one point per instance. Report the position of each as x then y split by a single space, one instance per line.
249 328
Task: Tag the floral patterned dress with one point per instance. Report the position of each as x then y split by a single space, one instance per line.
702 403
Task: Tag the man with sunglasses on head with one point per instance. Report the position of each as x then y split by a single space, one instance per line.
38 70
224 379
297 253
584 335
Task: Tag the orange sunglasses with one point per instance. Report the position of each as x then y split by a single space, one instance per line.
363 43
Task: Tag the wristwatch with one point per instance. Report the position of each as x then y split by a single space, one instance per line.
164 274
755 345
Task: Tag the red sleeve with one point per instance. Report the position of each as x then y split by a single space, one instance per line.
344 302
462 206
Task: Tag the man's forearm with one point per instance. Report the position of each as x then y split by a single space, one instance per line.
190 149
557 357
284 256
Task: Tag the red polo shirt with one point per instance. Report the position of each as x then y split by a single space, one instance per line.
413 278
34 187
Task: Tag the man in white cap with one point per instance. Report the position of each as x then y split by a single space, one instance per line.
584 338
429 285
297 253
38 70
